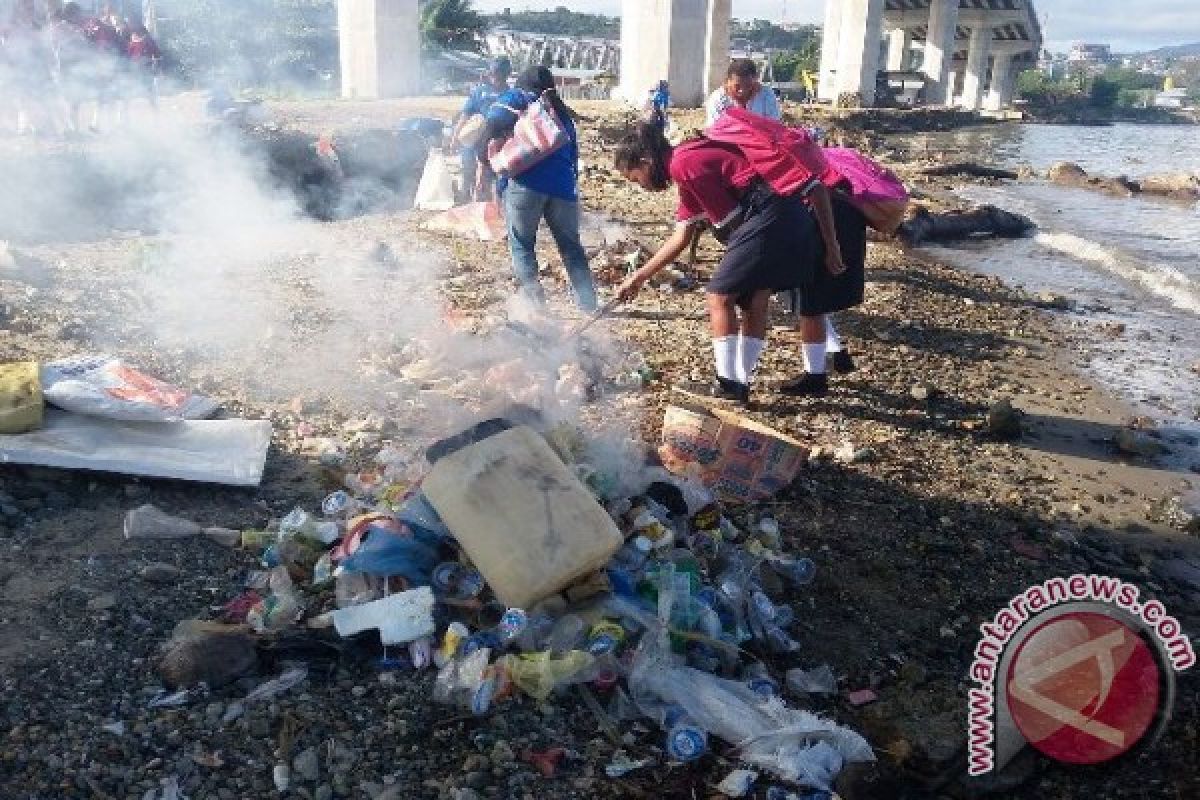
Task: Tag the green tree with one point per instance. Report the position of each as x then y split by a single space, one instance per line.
1103 93
1133 79
451 25
561 21
250 43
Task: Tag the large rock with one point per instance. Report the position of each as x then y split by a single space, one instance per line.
1136 443
1067 174
207 653
1004 421
1179 186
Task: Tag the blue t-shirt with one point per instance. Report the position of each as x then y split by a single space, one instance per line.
480 99
661 98
558 174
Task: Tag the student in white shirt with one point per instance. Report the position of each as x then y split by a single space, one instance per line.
742 88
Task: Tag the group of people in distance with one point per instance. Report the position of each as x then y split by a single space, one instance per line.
810 241
55 59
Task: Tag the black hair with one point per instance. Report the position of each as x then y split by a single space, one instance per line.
540 81
646 144
741 68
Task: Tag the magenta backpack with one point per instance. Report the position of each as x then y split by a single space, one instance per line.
874 188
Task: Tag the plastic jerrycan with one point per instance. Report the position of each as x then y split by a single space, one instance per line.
528 524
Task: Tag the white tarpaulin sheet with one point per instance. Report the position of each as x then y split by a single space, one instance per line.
228 451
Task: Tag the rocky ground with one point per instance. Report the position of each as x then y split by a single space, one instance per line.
923 517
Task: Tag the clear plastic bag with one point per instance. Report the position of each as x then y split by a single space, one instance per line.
768 733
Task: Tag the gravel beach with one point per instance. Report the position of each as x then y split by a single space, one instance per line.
925 505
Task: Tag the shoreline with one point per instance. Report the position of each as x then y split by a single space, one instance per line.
920 537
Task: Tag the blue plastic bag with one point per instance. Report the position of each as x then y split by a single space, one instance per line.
411 555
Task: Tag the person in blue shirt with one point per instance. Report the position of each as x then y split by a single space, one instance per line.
548 190
656 105
479 101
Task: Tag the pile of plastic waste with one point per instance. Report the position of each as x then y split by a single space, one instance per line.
518 567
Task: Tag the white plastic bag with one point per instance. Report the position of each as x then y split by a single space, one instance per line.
103 386
435 192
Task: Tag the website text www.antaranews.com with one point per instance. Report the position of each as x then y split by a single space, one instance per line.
999 632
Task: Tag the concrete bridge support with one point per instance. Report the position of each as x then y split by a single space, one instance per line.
685 42
899 41
850 65
1004 78
939 50
379 47
979 53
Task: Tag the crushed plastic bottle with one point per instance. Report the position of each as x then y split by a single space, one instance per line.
819 680
799 571
567 634
453 640
758 679
539 674
280 608
460 678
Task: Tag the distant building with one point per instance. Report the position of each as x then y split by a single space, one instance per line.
1084 53
1052 65
1171 98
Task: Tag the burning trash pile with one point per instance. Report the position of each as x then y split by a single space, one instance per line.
518 566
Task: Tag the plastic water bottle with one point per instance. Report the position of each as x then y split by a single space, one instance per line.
604 638
758 679
685 741
799 571
568 634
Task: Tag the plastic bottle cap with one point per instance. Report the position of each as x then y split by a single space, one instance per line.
514 621
686 743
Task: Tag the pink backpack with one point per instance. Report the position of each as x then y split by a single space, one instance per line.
874 189
787 159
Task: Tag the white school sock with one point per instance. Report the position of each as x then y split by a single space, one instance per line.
749 350
814 358
833 342
725 351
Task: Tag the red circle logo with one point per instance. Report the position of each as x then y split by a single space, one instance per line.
1083 688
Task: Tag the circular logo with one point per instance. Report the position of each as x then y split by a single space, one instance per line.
1083 688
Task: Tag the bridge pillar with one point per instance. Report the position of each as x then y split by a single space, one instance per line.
939 49
859 47
1000 94
899 40
831 39
379 48
685 42
979 51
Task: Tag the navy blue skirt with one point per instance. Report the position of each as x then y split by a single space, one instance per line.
824 293
776 247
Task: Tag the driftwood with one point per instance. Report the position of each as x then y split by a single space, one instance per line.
971 169
924 227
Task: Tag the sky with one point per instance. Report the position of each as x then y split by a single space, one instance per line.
1128 25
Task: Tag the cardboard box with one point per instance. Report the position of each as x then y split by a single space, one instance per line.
739 459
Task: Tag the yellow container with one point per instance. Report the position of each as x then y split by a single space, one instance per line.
528 524
21 404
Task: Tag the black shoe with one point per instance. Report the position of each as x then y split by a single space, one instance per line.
721 390
841 362
807 385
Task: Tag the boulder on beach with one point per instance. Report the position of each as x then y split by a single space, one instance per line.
1067 174
208 653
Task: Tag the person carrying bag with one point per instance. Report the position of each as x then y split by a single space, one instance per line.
534 151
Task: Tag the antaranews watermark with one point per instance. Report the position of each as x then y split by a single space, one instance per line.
1078 667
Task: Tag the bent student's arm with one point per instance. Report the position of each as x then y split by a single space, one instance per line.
671 249
823 208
